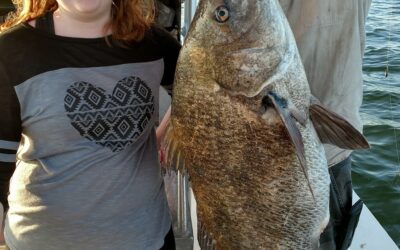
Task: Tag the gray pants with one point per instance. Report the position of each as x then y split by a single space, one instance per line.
344 217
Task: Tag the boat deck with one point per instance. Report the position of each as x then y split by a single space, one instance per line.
370 235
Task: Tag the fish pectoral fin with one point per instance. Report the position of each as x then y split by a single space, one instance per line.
336 130
299 116
289 121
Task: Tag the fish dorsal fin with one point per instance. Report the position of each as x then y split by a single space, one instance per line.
334 129
293 131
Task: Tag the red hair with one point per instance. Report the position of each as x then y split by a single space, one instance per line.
129 18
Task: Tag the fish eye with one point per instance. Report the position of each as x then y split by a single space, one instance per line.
222 14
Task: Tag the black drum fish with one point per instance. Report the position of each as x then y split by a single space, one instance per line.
246 129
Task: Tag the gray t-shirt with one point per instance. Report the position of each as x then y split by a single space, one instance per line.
87 173
330 36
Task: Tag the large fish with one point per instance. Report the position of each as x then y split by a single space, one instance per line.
241 128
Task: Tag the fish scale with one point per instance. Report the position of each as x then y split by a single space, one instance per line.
230 175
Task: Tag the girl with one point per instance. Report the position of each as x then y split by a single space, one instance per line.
79 84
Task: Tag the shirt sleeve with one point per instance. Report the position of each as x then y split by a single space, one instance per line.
10 134
170 49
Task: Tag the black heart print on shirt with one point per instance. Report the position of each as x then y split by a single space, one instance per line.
113 121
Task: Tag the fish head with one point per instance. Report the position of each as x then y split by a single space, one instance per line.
244 42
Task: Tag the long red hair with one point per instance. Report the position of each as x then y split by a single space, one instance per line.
129 18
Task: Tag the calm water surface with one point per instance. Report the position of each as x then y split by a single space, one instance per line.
376 172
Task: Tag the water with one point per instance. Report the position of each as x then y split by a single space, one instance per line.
376 172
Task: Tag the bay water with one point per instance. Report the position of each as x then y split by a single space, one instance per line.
376 172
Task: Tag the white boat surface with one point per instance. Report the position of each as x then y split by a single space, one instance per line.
369 234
